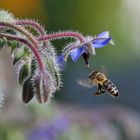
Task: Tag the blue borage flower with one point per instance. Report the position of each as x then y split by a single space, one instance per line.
88 47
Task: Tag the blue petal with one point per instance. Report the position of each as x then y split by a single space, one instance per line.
104 34
98 43
101 43
60 59
76 53
61 62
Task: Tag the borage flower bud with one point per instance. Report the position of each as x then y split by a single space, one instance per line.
50 61
28 90
5 16
43 86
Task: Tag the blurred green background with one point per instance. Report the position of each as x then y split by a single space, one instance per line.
88 117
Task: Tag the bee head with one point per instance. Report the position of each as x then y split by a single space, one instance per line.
93 74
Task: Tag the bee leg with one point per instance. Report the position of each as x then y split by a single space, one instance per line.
100 90
97 93
103 90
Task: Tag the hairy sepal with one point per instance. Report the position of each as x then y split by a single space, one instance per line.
43 86
28 90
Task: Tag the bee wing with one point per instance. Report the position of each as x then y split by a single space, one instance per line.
85 82
104 70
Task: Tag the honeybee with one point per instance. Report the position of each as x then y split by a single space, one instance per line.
102 82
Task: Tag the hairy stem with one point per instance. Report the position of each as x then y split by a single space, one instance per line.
33 24
22 31
29 45
60 35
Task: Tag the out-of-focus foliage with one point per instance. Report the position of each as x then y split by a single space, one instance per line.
32 8
61 122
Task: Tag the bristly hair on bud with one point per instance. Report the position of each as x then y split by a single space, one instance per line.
5 16
35 58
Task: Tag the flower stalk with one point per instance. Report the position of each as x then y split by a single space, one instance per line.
61 35
33 24
22 31
25 42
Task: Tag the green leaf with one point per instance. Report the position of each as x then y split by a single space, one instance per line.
13 45
3 43
18 57
19 54
24 73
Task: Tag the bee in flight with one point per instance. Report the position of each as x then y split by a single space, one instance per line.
103 84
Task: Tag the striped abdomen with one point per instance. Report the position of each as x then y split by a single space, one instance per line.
111 88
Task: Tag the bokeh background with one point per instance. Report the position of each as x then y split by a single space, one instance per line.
73 113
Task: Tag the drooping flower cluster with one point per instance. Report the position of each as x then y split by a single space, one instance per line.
35 57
